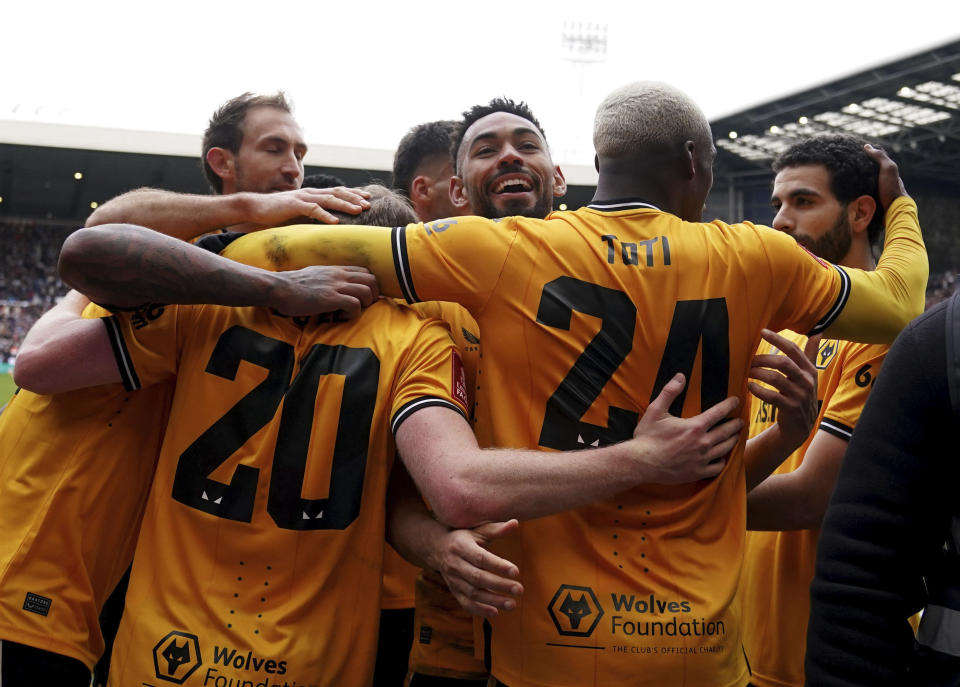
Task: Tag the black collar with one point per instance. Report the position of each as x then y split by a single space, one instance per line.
618 204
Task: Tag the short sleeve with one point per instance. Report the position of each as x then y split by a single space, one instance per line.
458 259
860 370
432 374
147 341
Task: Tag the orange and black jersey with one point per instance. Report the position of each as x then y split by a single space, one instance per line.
399 576
444 635
75 470
778 565
585 317
578 297
263 534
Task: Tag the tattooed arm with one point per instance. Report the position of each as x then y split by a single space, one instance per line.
126 266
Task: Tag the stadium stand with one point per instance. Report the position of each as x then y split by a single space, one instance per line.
29 284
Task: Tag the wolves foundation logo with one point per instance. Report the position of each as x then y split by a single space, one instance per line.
176 657
575 610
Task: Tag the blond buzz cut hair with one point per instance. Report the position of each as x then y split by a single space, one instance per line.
644 116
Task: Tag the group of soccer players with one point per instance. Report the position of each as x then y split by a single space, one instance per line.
243 408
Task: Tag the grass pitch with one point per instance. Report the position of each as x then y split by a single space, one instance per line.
7 387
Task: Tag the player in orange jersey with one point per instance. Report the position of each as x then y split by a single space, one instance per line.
506 155
421 172
75 468
588 315
514 175
252 502
824 195
592 312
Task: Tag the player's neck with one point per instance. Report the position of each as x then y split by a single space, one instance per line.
859 256
620 189
652 180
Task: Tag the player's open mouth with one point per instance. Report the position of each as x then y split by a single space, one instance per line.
511 183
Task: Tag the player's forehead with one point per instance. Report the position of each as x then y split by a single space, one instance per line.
266 122
500 125
801 178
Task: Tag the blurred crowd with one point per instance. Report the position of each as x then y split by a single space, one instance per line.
940 287
29 284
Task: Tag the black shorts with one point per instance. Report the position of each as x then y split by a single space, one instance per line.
27 666
393 647
421 680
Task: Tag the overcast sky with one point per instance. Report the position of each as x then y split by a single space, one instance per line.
362 73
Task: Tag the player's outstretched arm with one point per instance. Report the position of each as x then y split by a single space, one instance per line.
798 499
467 486
287 248
480 581
127 266
793 378
64 351
49 329
186 216
883 302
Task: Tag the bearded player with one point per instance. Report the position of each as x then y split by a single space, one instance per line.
674 295
263 532
824 195
610 301
508 172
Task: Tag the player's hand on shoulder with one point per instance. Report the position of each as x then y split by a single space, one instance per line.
481 582
793 377
889 184
321 289
674 450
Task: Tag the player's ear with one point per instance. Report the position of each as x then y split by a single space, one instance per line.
458 195
221 162
419 190
861 212
690 159
559 182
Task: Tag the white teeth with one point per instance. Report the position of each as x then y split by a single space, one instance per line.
524 184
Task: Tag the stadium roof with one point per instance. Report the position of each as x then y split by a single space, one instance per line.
911 106
39 164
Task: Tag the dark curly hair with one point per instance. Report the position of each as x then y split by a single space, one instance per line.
225 129
501 104
423 141
322 180
852 172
